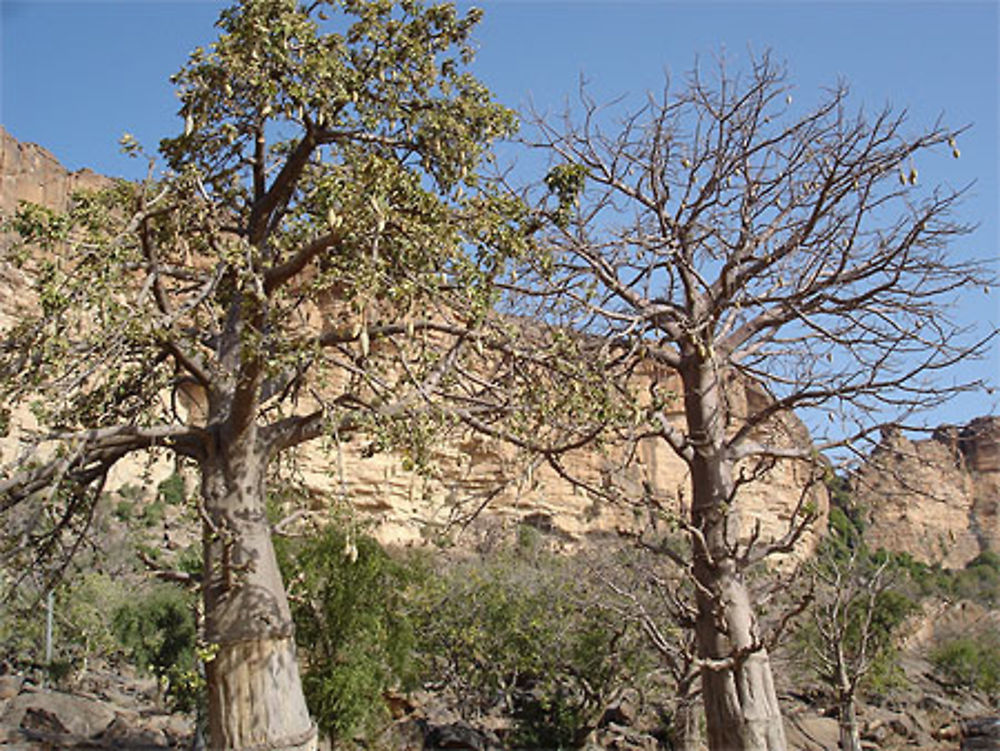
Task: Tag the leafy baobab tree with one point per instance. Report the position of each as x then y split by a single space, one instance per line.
731 238
311 264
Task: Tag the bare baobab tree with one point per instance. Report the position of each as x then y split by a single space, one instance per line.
730 238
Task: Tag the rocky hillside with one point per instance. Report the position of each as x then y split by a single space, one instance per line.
30 173
936 499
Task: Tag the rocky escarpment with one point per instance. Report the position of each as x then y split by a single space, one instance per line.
936 499
30 173
469 471
472 472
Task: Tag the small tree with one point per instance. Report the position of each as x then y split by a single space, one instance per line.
852 625
159 634
528 631
759 259
658 600
314 263
971 660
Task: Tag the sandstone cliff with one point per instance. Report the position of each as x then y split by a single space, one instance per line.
473 471
30 173
936 499
470 471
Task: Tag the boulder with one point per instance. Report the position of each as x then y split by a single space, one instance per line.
456 736
624 711
128 732
620 738
10 686
53 712
177 729
807 732
43 721
981 734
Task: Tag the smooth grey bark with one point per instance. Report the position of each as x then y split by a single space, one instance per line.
850 732
255 693
741 705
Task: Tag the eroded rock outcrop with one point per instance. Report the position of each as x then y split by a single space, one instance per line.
473 471
936 499
30 173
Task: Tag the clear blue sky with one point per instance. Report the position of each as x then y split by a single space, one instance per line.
77 74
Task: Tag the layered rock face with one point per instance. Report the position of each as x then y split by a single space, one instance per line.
30 173
979 444
470 472
936 499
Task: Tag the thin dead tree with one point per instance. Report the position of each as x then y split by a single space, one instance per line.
851 627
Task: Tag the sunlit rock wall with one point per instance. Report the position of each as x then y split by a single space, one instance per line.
937 498
470 473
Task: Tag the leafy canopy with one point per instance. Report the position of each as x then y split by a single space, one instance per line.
322 210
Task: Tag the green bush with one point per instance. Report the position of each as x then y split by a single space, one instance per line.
524 630
987 559
172 490
123 511
153 513
972 661
158 632
846 518
351 621
130 492
190 560
979 581
84 608
82 628
554 720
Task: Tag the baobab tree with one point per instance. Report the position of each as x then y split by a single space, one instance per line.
730 238
314 263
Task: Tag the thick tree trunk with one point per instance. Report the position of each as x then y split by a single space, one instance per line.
741 705
255 698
